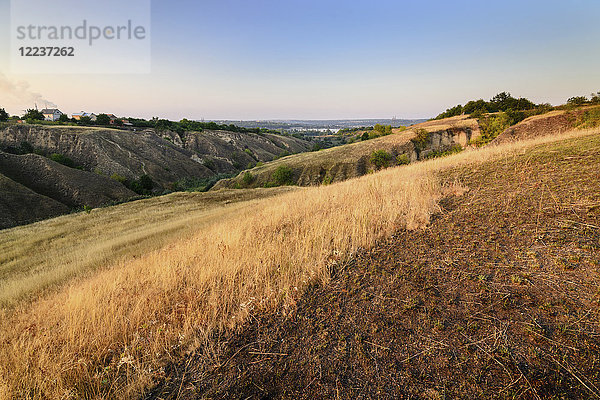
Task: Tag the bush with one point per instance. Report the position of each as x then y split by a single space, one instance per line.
26 148
403 159
248 178
33 115
454 149
61 159
589 119
421 139
250 153
577 100
143 185
283 175
3 115
491 126
380 159
209 163
118 178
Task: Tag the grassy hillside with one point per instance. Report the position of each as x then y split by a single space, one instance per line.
497 299
110 333
48 254
552 123
353 160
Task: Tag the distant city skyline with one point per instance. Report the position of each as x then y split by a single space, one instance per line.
331 59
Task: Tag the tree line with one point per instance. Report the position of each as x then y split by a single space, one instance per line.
36 116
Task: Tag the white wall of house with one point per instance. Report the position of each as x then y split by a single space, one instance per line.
53 117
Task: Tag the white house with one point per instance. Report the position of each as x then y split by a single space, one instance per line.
79 115
51 114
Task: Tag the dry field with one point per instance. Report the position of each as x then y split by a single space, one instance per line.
49 253
107 334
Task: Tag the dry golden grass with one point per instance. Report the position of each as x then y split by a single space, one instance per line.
105 336
49 253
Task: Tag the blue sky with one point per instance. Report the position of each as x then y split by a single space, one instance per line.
322 59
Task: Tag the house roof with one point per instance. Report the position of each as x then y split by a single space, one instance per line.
50 110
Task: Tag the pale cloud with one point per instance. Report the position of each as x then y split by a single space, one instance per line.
18 95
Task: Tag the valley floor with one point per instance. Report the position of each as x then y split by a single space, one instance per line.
497 298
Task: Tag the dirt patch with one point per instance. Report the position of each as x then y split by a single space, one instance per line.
553 123
498 298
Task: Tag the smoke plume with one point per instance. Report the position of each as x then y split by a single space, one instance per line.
19 94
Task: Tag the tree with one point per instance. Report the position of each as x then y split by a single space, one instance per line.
163 125
473 105
62 159
248 178
380 159
3 115
365 136
85 121
283 175
577 100
63 118
103 119
33 115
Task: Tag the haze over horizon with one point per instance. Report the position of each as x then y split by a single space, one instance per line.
265 60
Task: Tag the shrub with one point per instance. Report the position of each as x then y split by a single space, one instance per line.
26 148
589 119
421 139
259 164
284 153
283 175
3 115
248 178
577 100
250 153
365 136
380 159
491 126
61 159
403 159
143 185
455 148
209 163
118 178
33 115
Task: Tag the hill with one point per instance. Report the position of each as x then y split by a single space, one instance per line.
468 275
20 205
70 186
497 298
76 244
147 162
552 123
353 160
165 156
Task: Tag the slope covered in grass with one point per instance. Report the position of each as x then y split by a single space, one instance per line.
50 253
497 298
111 333
353 160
